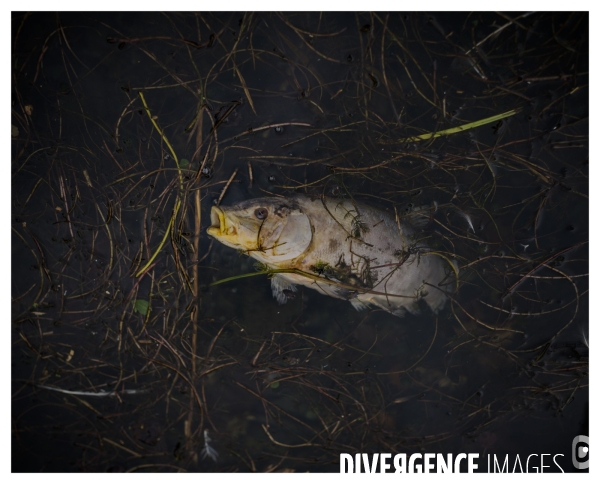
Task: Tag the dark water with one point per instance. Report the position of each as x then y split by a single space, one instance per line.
309 103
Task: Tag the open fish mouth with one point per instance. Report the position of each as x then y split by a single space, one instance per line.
218 221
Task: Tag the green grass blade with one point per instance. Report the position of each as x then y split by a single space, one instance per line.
240 276
461 128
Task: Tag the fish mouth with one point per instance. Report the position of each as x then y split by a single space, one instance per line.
218 225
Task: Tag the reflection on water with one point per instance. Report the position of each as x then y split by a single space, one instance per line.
126 358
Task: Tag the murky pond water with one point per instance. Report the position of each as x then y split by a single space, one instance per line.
128 127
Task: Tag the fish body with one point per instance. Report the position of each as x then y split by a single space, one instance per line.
341 248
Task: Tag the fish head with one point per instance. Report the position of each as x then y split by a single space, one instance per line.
272 230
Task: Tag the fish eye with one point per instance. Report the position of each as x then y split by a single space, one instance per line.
261 213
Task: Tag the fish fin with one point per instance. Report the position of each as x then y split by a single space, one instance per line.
279 285
358 304
332 289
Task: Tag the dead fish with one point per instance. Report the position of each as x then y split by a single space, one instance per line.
341 248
